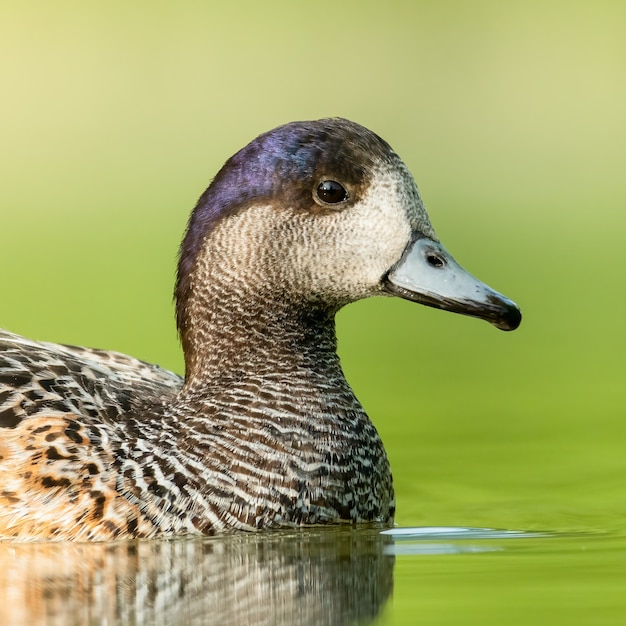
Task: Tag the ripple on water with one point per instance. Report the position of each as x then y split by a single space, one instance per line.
430 539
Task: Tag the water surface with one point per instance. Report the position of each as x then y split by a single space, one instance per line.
329 576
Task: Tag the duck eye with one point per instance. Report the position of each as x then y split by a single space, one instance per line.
331 192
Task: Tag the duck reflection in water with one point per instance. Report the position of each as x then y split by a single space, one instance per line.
327 577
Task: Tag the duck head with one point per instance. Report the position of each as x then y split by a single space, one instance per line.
316 215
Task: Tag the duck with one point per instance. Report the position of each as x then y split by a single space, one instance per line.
263 431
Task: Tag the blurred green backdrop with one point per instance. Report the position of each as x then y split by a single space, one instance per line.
115 116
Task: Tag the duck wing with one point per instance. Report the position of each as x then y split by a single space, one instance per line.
63 412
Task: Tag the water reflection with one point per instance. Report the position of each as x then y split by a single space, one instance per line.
317 577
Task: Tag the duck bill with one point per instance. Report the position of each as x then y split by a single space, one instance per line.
427 273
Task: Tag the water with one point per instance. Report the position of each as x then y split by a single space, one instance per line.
550 579
328 576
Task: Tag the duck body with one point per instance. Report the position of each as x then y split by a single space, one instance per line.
97 445
264 430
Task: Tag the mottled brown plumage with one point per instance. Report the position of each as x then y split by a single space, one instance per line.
264 431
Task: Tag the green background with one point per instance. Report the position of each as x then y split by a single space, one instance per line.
115 116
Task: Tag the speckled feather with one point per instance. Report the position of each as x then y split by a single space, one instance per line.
264 431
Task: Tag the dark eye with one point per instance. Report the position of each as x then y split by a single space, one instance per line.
331 192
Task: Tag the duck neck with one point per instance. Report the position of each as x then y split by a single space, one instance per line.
232 341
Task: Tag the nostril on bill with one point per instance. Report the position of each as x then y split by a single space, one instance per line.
435 261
